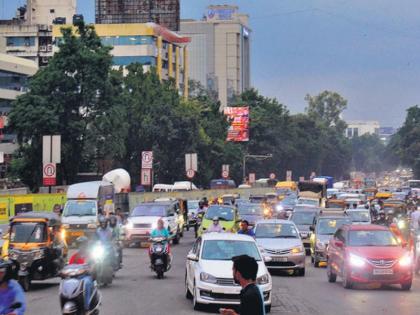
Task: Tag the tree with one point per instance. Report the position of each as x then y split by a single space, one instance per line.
406 142
327 107
368 154
73 96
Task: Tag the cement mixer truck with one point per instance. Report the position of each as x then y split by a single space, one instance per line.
87 201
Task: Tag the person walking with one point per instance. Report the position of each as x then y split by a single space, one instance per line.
245 269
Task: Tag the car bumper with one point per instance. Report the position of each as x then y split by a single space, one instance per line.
71 234
320 255
215 294
287 262
133 235
399 276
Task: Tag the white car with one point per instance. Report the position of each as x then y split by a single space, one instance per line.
359 216
209 278
310 202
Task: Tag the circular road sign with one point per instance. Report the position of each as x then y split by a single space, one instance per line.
225 174
49 170
190 173
272 176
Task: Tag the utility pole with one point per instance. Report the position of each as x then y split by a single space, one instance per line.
255 157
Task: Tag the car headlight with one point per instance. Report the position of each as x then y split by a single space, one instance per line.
297 250
154 225
38 254
401 224
356 261
406 260
279 208
98 252
65 226
129 225
13 255
320 245
63 234
264 279
205 277
92 226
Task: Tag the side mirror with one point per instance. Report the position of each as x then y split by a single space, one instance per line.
192 257
267 258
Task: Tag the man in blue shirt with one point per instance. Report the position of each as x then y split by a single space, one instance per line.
160 231
245 229
11 293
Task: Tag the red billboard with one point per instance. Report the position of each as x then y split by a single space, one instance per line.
239 123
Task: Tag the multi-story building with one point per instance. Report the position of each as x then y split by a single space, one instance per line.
386 133
149 44
357 128
220 51
29 34
162 12
14 74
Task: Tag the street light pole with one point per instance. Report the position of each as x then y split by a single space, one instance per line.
255 157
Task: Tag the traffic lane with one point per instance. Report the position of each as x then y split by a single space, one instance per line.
313 294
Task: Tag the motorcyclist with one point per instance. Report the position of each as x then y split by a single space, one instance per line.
382 219
198 217
216 226
10 291
160 230
116 236
104 234
81 257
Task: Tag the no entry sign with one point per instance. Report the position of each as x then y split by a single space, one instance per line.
49 174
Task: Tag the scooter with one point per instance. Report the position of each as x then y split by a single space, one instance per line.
160 256
12 308
104 263
72 292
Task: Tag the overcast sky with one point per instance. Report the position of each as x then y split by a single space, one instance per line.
368 51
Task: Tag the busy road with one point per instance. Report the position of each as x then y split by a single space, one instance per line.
136 290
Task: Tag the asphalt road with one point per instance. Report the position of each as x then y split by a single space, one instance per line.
137 291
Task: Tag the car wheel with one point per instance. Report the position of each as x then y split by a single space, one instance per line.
181 234
347 284
25 283
406 286
197 306
268 308
188 294
332 277
316 262
300 272
312 259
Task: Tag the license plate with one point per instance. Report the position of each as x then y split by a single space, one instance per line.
383 271
77 233
280 259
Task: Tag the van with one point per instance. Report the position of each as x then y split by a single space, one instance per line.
184 186
162 188
85 202
222 184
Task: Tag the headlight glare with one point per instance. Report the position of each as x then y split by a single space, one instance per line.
297 250
356 261
129 225
98 252
406 260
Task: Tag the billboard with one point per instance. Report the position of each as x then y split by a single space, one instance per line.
239 123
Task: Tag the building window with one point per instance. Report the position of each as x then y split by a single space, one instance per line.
52 11
20 41
355 132
127 40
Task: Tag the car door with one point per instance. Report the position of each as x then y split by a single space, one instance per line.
192 265
171 220
339 251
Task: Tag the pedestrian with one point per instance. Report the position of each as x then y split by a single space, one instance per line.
216 226
245 229
245 269
415 217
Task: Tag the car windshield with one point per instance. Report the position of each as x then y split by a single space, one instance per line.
80 208
288 201
223 213
192 204
359 216
303 217
276 230
329 226
149 210
226 249
28 232
372 238
250 209
312 202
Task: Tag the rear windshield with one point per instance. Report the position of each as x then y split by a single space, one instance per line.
149 210
80 208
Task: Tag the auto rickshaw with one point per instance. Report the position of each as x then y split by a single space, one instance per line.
36 246
336 204
383 195
4 244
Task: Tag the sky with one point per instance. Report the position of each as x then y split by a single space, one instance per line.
368 51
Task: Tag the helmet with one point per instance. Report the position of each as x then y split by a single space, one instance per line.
6 267
103 222
113 221
381 212
81 241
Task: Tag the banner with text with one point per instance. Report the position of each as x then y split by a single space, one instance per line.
239 123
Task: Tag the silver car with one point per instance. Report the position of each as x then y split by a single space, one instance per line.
280 240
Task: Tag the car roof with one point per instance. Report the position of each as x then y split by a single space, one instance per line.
226 236
367 227
271 221
154 203
334 217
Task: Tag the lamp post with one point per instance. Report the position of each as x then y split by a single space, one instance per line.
255 157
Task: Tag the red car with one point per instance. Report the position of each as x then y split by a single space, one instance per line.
368 254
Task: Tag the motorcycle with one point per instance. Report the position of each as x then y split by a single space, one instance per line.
160 256
72 292
12 308
198 218
104 262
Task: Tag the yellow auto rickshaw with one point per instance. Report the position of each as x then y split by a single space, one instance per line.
284 188
4 245
36 246
383 195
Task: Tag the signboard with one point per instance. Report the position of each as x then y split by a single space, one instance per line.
190 174
51 149
272 176
313 174
146 177
1 157
191 162
225 170
251 178
289 176
147 160
301 179
239 123
49 172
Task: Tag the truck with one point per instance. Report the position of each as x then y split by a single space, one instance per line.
313 190
328 180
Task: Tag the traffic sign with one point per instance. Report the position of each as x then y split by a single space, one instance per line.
251 178
225 170
49 172
225 174
147 160
191 162
272 176
146 177
190 174
289 176
301 178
